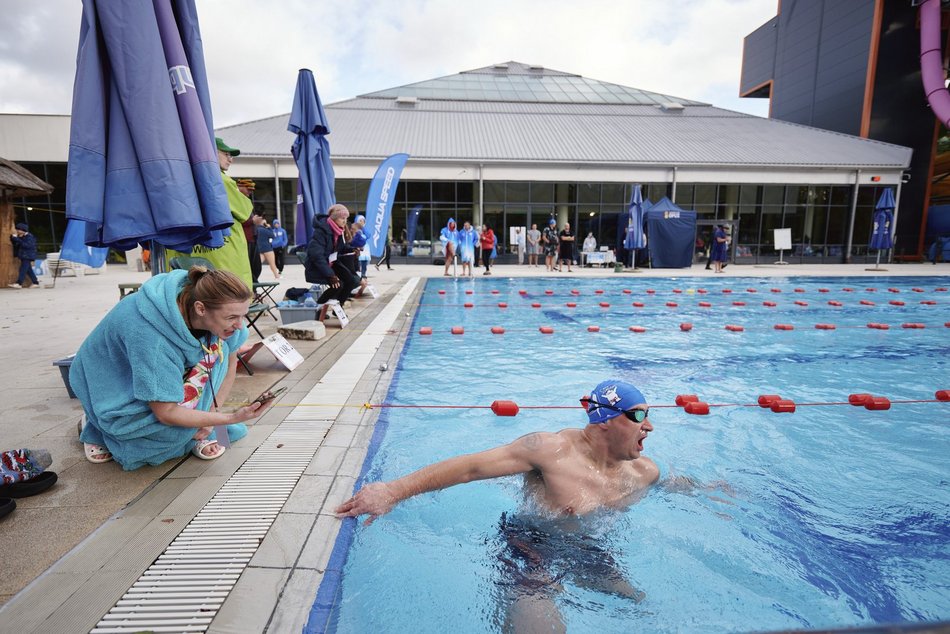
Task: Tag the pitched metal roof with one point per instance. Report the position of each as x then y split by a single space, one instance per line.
671 132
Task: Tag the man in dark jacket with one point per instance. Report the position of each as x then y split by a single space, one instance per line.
24 245
323 265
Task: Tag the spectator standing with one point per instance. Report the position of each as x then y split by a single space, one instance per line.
24 247
279 243
265 246
566 247
519 244
534 245
487 240
719 248
468 238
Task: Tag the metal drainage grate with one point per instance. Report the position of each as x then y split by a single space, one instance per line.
186 586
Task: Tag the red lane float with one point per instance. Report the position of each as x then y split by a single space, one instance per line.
914 325
502 305
947 324
784 327
627 291
495 292
769 304
698 408
593 329
683 399
425 330
929 302
701 291
896 302
918 290
672 304
574 291
799 290
547 330
877 403
858 400
468 305
678 291
441 292
469 292
705 305
894 290
877 326
847 290
825 326
686 326
783 406
940 290
604 304
834 303
766 400
751 290
497 330
598 292
738 303
504 408
942 395
535 305
871 289
637 329
458 330
727 290
801 303
638 304
549 292
571 305
776 290
866 302
824 290
522 292
650 291
734 328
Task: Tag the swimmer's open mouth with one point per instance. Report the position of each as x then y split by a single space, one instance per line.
640 443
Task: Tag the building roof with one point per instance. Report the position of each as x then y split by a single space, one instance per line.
18 181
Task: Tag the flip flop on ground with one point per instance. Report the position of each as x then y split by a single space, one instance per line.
201 449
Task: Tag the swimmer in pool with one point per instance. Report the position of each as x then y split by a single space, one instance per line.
570 472
568 476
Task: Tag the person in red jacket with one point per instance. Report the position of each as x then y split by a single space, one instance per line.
487 242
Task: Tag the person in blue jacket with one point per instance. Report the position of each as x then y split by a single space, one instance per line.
24 247
279 243
449 237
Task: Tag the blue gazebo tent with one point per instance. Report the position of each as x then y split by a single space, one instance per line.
672 233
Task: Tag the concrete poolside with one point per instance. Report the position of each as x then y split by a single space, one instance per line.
121 521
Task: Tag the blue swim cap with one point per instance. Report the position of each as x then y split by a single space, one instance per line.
552 221
359 218
617 394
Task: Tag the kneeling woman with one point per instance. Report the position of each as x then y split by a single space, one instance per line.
151 375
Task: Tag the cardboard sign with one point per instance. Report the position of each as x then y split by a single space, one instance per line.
340 314
284 352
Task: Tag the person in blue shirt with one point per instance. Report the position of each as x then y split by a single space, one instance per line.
468 238
24 247
279 243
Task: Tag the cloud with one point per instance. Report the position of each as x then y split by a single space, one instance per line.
685 48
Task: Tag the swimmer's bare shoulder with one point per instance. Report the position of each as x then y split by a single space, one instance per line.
540 447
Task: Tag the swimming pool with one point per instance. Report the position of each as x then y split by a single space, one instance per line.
833 515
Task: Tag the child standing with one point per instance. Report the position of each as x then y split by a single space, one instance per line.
24 247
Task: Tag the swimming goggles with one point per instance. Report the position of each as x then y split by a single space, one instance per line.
636 415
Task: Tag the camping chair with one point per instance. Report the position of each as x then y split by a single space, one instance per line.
186 262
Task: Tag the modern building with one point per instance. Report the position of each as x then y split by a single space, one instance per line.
854 67
514 144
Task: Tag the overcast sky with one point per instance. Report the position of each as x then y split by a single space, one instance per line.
685 48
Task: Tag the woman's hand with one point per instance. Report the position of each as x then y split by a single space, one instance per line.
251 411
334 282
203 432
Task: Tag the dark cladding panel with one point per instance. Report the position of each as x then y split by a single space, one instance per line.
758 58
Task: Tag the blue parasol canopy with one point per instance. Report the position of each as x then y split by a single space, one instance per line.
635 238
142 162
883 221
312 154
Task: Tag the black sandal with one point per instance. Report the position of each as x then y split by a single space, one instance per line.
26 488
6 506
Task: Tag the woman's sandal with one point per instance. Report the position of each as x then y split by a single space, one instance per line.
203 444
96 453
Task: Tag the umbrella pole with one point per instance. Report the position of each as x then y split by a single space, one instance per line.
158 258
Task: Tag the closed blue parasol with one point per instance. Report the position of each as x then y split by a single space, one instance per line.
883 221
312 154
635 238
142 161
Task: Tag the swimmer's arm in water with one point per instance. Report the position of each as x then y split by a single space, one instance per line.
520 456
688 485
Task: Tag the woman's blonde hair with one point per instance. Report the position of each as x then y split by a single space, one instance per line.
211 288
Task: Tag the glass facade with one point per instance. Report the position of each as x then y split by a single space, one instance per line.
818 215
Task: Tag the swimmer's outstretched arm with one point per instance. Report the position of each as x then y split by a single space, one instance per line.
520 456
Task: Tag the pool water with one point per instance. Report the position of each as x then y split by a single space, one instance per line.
831 516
